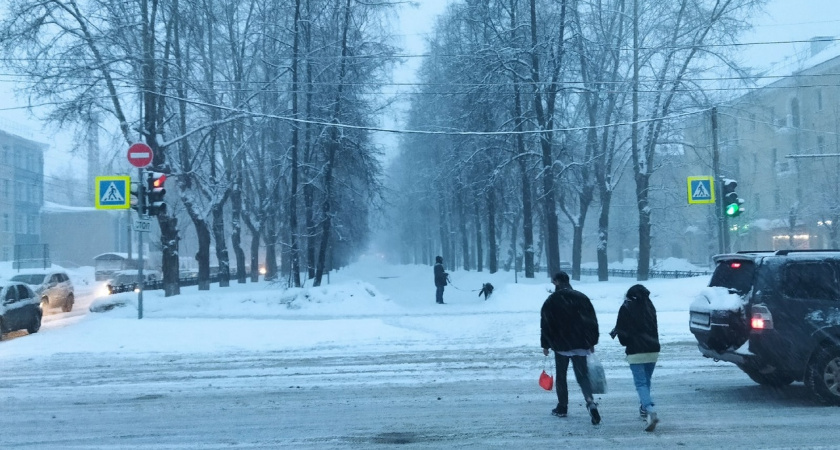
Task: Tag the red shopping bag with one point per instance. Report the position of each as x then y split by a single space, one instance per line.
546 381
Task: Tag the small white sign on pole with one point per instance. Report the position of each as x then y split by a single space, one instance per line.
141 225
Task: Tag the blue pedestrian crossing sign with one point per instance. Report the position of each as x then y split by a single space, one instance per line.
112 192
701 190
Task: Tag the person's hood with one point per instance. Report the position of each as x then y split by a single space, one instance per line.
637 292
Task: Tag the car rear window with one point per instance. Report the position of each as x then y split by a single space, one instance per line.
734 274
35 278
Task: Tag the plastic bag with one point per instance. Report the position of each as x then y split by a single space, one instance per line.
546 381
597 377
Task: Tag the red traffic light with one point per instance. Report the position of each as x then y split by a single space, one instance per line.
158 182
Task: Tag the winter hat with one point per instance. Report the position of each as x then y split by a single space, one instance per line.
439 259
637 292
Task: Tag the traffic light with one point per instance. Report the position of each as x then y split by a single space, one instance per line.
135 198
154 193
733 205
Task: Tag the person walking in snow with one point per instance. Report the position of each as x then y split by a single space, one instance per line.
440 279
569 327
637 331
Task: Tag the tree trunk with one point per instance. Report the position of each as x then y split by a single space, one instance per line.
202 257
492 247
479 241
294 252
334 145
221 244
462 230
270 238
603 235
545 120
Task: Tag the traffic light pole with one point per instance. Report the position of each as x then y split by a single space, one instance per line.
723 232
141 200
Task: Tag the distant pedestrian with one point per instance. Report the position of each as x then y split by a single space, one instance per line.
441 278
637 331
569 327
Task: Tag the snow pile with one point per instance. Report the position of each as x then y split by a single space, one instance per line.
716 298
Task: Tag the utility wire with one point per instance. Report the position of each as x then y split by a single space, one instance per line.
427 132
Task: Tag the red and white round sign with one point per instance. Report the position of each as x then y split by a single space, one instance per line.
140 155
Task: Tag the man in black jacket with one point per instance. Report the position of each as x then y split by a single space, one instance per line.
638 332
569 326
440 279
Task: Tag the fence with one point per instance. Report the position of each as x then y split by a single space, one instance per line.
632 273
153 285
31 256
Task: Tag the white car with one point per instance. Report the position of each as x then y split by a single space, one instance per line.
53 287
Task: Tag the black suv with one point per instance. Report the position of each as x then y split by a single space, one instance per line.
776 315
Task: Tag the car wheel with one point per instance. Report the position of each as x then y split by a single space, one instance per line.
773 379
68 303
823 377
36 323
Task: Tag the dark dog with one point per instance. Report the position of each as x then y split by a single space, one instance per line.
486 290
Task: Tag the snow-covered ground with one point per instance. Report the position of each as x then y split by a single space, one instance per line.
367 359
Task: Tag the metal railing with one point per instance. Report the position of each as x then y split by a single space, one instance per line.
153 285
632 273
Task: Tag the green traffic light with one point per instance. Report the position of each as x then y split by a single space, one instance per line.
733 209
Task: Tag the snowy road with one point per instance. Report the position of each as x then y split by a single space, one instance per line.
432 399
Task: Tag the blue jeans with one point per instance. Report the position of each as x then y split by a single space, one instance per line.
439 294
641 377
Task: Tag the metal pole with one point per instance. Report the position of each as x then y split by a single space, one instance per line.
141 189
722 231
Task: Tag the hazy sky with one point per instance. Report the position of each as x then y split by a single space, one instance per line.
785 20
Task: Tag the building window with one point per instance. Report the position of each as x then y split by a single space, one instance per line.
31 225
19 223
820 144
752 121
794 113
20 193
7 224
6 189
819 100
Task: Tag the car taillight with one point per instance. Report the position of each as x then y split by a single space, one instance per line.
761 318
735 265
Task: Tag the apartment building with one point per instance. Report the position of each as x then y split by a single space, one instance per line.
21 195
781 143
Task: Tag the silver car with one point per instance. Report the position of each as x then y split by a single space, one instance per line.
19 308
53 287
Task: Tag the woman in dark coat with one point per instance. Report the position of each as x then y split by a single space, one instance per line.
637 331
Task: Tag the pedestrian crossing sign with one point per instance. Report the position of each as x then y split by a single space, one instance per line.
701 190
112 192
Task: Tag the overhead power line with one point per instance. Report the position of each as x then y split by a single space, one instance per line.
429 132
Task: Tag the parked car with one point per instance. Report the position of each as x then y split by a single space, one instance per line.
20 308
776 315
130 277
54 288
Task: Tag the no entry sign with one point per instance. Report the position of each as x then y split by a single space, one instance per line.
140 155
